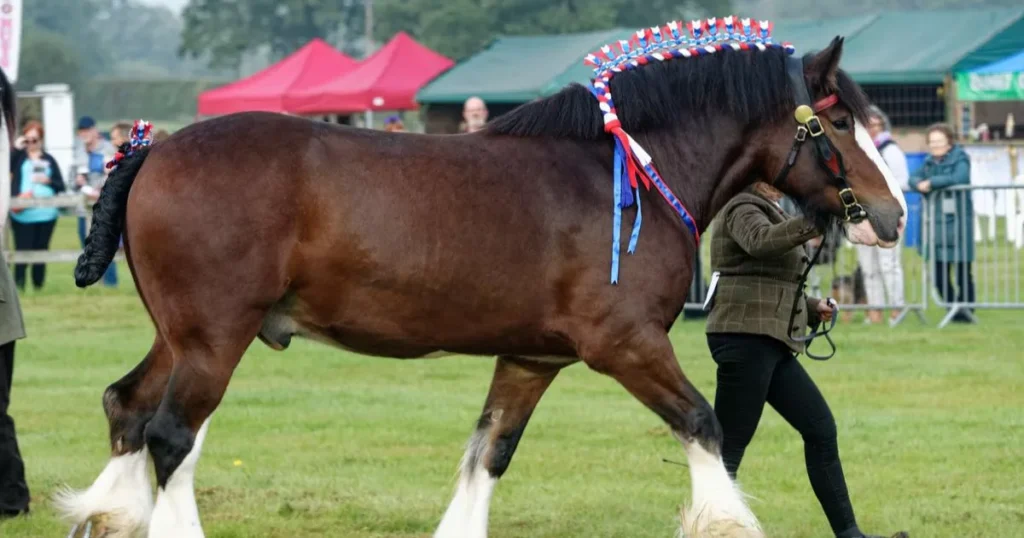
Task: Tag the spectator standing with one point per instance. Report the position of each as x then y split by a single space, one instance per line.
91 156
34 174
119 134
952 214
883 267
474 114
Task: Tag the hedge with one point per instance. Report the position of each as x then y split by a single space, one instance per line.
123 98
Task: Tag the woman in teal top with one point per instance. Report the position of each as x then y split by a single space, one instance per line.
34 174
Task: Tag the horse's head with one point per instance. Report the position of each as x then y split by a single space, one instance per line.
823 156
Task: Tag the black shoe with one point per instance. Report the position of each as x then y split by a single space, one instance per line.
901 534
960 317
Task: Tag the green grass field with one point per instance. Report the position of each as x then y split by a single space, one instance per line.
317 442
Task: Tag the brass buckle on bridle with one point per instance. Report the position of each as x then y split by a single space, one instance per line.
805 116
854 211
814 127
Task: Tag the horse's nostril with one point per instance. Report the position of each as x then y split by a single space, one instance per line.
901 224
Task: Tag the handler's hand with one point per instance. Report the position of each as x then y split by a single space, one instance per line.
925 186
825 309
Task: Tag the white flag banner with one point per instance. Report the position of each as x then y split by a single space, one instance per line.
10 37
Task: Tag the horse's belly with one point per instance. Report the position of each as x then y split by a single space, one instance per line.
377 336
279 328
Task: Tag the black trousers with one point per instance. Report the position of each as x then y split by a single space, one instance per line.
964 281
33 236
13 488
754 369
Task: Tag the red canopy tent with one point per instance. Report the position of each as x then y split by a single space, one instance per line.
311 65
388 80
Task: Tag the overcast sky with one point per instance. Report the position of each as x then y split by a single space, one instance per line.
176 5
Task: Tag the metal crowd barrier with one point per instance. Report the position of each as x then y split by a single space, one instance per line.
974 266
967 258
891 282
62 201
842 274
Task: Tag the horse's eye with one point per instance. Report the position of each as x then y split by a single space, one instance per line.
841 124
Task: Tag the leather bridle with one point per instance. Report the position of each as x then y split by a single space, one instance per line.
808 125
831 161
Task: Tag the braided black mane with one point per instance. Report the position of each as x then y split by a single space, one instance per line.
748 86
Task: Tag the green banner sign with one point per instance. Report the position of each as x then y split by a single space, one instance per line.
990 87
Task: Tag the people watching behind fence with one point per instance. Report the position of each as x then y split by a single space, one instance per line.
883 267
952 215
92 154
35 174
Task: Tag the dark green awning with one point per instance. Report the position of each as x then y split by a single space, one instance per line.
893 47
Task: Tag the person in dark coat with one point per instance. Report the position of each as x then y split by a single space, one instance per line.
952 214
758 252
13 488
14 496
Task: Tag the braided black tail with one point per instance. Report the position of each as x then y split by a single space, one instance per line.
108 220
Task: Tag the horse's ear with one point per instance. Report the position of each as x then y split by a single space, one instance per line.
821 68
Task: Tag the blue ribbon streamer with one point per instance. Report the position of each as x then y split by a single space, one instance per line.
619 162
636 225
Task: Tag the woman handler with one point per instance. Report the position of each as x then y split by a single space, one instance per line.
758 251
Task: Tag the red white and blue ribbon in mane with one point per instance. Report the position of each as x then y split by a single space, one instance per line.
633 165
140 137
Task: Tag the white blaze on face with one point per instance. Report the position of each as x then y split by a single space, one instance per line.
868 145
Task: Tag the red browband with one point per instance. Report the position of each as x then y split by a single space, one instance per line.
826 103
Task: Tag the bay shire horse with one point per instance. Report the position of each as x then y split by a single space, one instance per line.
495 243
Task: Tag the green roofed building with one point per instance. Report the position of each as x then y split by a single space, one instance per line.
903 59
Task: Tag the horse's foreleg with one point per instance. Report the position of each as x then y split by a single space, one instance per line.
647 367
120 501
517 386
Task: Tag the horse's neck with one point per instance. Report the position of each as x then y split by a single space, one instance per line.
704 169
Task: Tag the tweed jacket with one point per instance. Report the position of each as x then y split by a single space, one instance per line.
11 325
758 251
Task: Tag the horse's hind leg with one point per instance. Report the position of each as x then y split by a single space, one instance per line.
204 360
517 386
120 501
646 366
